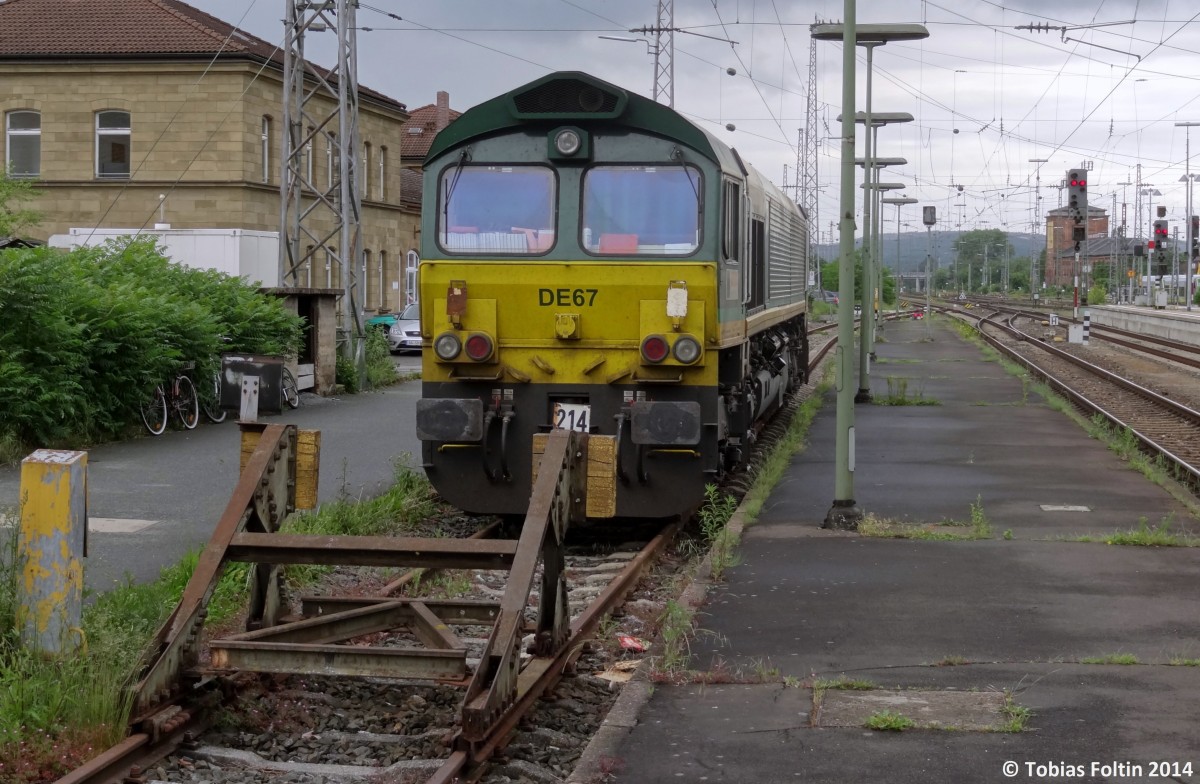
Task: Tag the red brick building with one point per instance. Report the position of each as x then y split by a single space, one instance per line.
1059 270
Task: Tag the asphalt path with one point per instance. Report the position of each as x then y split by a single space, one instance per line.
153 499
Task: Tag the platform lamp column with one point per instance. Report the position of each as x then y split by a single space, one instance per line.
876 191
1190 237
844 512
899 201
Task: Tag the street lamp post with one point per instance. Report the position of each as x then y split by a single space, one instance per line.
899 201
844 513
876 283
871 164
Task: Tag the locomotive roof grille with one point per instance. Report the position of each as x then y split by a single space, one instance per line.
559 98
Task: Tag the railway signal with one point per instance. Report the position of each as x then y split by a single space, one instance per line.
1160 235
1077 200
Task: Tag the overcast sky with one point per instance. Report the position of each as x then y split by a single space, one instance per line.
986 96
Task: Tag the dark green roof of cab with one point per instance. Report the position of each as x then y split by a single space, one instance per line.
573 96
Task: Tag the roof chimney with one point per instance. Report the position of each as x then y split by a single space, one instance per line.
443 109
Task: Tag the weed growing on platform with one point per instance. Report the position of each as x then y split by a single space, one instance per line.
844 683
677 624
887 721
897 394
1145 536
945 531
1111 658
1016 716
953 661
714 518
1179 661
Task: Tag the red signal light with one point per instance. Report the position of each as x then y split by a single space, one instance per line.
655 349
479 347
1150 244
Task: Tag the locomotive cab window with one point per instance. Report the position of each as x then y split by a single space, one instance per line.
504 210
641 210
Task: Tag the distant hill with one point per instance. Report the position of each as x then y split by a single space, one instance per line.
913 248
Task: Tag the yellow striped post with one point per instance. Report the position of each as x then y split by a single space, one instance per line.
51 545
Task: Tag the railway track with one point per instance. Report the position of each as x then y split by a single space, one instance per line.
1162 426
1186 354
437 688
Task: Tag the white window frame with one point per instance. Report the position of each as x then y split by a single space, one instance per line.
412 260
365 189
382 277
308 159
126 132
266 148
383 150
12 133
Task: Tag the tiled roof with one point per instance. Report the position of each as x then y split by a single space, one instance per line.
416 135
48 29
410 186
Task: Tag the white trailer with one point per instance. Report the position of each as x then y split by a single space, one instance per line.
251 255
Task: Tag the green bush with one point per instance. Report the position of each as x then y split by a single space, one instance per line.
1097 295
381 370
86 335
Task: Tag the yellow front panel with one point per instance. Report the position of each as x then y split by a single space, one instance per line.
610 305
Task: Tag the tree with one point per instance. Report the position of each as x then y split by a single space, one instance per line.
978 248
14 215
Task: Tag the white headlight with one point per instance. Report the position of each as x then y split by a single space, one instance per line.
686 349
567 142
447 346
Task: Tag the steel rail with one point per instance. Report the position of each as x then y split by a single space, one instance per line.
1190 472
1173 345
541 673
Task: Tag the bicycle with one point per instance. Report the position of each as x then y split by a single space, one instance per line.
291 392
179 396
211 402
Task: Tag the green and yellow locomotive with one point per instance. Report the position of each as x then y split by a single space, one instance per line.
592 260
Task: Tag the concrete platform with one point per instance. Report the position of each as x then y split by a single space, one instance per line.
1013 617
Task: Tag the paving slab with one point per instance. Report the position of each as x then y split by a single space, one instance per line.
1014 618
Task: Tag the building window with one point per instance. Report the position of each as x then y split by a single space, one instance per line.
365 174
112 144
382 173
266 149
330 158
24 144
308 159
368 288
411 262
382 278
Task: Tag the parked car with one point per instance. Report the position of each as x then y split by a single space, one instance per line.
405 332
382 322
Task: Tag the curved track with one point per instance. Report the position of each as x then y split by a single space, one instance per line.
1161 425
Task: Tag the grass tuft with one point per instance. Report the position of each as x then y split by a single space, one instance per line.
887 721
897 395
1125 659
55 714
1016 716
1144 536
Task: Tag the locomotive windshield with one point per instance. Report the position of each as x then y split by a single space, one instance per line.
496 209
641 210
